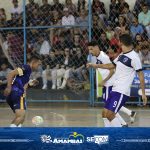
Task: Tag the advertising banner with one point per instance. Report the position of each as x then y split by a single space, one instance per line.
74 138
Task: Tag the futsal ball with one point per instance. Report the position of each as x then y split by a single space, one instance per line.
37 120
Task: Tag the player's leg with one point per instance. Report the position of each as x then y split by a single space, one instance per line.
104 112
106 93
122 121
104 116
129 112
112 106
19 107
19 118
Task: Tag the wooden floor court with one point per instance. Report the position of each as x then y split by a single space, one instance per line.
71 116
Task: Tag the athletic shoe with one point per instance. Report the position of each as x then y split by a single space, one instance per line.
125 126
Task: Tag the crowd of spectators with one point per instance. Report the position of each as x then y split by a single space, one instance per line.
62 40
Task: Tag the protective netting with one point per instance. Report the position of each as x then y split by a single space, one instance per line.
58 32
11 42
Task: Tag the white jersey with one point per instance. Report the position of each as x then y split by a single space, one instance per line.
104 59
127 64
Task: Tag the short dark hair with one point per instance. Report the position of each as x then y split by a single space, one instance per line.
126 6
126 39
93 43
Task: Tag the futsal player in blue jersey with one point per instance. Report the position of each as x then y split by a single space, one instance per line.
17 83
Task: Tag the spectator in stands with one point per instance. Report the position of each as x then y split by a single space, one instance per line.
57 6
81 5
29 10
45 46
109 32
123 24
144 18
71 7
144 54
36 19
127 13
79 70
139 39
98 8
120 6
76 42
114 42
3 74
50 66
63 72
68 19
17 10
82 20
84 39
13 47
98 27
2 17
138 7
113 14
136 28
46 13
56 20
104 43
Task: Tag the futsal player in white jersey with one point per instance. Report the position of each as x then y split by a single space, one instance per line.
107 79
126 65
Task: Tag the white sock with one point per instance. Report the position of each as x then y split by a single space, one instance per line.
13 125
106 122
122 121
20 125
126 111
115 122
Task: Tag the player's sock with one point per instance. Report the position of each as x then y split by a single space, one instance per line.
13 125
122 121
125 110
115 122
20 125
106 122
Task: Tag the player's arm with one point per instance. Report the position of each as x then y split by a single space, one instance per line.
107 78
10 79
142 85
137 65
102 66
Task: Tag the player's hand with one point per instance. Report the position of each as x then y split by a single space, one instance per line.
34 82
7 91
144 98
101 84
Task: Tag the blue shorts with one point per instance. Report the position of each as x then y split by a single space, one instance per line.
16 100
115 101
106 92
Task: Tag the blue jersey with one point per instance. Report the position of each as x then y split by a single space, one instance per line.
22 78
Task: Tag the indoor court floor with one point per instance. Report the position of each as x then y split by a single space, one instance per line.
71 116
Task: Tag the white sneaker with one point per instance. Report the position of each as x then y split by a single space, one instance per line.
54 87
44 87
